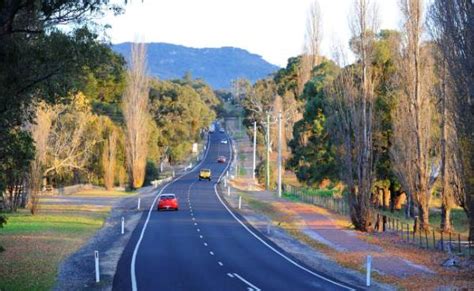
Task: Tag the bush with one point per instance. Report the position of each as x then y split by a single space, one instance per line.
151 172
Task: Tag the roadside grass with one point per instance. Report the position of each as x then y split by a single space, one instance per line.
35 245
459 219
290 196
286 220
317 192
104 193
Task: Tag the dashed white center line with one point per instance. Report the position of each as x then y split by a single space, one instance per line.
212 253
252 287
195 223
198 230
205 244
194 218
230 275
220 264
200 236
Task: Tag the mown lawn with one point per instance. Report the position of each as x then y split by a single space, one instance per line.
35 245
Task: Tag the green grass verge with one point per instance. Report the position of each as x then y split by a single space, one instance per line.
290 196
317 192
104 193
459 219
35 245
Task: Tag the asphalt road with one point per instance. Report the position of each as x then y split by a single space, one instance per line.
204 246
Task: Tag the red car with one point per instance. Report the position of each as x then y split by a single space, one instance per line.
221 159
167 202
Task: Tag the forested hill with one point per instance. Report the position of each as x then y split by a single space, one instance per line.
217 66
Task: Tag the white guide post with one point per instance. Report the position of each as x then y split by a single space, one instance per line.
96 259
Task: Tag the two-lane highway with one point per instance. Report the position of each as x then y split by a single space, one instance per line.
204 246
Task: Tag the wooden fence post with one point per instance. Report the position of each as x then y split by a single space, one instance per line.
408 232
426 239
442 241
459 242
419 236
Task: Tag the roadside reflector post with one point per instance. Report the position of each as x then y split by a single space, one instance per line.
225 182
368 268
138 206
96 259
174 174
123 225
240 202
228 191
227 174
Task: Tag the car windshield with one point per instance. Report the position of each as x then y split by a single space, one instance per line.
167 197
205 170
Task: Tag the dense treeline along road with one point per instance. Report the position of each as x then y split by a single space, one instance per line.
203 246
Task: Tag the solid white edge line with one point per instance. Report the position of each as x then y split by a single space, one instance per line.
265 243
246 282
137 246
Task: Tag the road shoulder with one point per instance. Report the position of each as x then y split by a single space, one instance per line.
77 272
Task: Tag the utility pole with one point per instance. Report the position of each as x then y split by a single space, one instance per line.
279 154
268 152
254 148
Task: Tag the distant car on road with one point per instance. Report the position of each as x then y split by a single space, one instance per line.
205 174
221 130
212 128
221 159
167 202
224 141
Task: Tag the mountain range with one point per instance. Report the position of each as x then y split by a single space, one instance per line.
217 66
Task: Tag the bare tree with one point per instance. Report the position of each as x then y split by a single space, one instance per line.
73 137
314 33
362 105
136 115
40 131
452 24
352 97
451 189
311 48
413 137
109 157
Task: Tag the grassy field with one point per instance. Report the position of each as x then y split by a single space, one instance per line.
35 245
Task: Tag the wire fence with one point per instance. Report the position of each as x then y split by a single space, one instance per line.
432 238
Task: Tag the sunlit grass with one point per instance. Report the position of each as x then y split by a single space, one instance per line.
36 244
25 223
104 193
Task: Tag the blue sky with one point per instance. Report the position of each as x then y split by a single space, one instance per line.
273 29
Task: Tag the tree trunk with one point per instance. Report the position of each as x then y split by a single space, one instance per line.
424 215
446 218
408 207
385 198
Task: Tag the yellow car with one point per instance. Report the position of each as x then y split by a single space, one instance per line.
205 174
